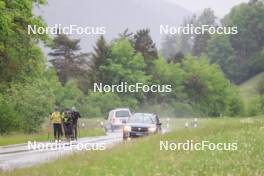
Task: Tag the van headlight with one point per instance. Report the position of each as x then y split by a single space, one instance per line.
152 129
127 128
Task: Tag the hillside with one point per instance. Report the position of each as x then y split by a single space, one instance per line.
248 88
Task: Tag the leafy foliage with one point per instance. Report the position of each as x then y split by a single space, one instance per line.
125 64
248 43
144 44
207 88
9 119
32 101
19 56
68 63
99 59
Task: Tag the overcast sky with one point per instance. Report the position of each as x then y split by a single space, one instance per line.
221 7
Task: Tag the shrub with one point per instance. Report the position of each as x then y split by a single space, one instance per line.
32 101
256 106
9 119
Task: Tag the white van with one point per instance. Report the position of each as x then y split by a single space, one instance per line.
118 117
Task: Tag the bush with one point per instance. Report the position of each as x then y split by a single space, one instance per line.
236 104
9 119
70 95
208 90
256 106
32 101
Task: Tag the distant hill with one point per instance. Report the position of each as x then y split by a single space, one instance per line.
115 15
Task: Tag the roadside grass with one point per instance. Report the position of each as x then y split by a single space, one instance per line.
144 157
88 127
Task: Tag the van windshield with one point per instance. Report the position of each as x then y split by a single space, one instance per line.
122 114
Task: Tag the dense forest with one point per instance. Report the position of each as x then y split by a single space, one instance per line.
202 69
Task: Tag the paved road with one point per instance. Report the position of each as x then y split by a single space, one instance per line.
18 156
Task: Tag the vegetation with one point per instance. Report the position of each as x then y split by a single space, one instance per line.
240 56
252 96
91 128
144 157
68 63
30 86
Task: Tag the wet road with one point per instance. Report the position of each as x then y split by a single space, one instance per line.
17 156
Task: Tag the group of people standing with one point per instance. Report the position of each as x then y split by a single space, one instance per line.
65 123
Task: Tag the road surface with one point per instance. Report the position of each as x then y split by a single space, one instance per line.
17 156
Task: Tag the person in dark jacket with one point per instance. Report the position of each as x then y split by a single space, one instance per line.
67 122
75 117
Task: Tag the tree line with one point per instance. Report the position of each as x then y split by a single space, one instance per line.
240 56
30 87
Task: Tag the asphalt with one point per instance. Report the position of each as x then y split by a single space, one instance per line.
20 155
24 155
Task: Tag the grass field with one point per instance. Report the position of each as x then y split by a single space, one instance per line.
91 128
143 156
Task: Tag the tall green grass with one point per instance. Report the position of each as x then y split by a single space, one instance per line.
143 156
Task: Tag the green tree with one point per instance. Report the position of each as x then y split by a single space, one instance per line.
168 74
248 43
19 56
170 45
178 43
177 58
220 52
186 40
68 61
145 45
207 89
200 40
99 59
32 101
125 64
70 96
9 119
